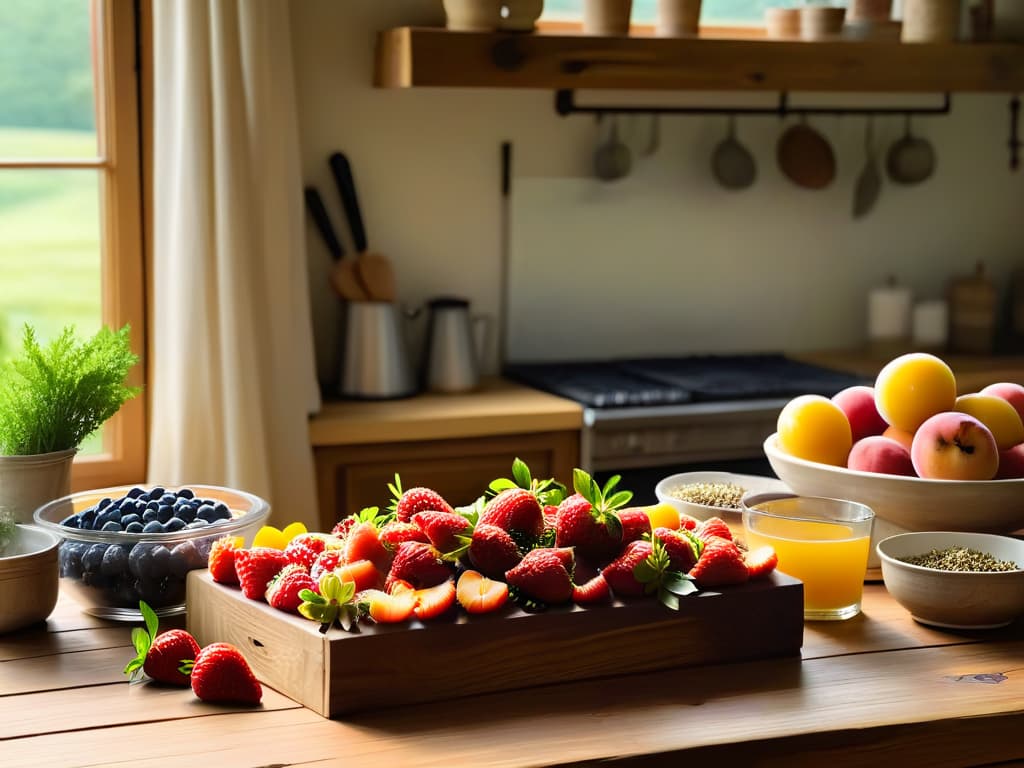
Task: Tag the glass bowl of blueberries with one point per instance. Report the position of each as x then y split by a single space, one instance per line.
130 543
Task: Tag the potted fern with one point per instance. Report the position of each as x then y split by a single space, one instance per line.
51 398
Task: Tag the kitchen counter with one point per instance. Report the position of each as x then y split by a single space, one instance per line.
879 689
499 407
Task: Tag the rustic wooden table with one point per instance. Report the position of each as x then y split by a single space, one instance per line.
877 690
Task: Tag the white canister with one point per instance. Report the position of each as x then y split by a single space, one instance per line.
889 309
930 325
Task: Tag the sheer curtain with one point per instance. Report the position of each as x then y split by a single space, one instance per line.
232 359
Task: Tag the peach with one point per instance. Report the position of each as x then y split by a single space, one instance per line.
906 439
858 403
880 454
812 427
913 387
997 414
1010 392
1011 463
954 446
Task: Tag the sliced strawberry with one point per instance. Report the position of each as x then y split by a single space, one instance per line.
434 601
362 573
478 594
387 608
594 591
721 564
363 543
221 561
442 528
761 562
256 567
713 526
492 551
396 532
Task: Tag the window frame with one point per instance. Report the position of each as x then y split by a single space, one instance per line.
116 53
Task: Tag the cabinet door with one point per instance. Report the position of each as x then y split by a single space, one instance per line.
352 477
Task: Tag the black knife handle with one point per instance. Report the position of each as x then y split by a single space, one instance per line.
315 205
342 171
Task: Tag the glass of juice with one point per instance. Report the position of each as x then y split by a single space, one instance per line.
823 542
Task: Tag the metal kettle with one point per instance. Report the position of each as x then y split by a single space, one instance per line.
451 361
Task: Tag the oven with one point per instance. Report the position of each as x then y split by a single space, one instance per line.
647 419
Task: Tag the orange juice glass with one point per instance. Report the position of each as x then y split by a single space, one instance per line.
823 542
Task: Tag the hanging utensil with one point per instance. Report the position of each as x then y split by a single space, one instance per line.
806 157
1014 142
731 163
869 183
374 268
343 275
612 159
911 159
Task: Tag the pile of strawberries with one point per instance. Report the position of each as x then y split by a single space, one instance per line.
526 540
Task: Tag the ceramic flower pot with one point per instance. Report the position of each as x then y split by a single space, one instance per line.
473 15
607 18
28 482
521 15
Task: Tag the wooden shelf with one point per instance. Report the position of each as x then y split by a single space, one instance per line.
412 57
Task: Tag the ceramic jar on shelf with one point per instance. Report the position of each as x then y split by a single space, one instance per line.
678 18
473 15
930 21
607 18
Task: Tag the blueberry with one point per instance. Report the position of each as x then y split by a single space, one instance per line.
72 521
138 558
149 516
104 503
154 505
115 560
223 513
93 557
164 513
135 492
136 527
174 524
130 518
186 512
86 518
115 504
150 590
70 559
168 498
197 523
159 563
153 526
186 493
207 512
112 525
140 506
184 558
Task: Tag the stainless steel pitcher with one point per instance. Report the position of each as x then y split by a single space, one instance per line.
452 356
376 358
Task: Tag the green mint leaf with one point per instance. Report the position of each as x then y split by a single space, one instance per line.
521 473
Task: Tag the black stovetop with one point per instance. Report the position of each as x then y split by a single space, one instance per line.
676 380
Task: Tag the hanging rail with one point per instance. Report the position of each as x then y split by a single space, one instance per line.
565 105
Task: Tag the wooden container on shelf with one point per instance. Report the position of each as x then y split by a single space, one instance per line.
521 15
930 21
678 18
782 23
607 18
972 313
869 10
821 22
472 15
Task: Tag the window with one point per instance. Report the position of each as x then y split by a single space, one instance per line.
744 13
70 201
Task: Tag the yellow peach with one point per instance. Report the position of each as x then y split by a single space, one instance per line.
906 439
997 414
662 516
913 387
814 428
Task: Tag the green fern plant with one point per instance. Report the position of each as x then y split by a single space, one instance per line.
52 397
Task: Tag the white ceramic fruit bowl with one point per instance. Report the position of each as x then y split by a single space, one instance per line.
28 578
908 503
954 599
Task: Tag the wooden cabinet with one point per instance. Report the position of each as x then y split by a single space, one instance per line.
350 477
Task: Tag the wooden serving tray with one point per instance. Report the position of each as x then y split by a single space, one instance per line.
382 666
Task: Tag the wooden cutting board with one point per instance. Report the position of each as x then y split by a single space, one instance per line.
384 666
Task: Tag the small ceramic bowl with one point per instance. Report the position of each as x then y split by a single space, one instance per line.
954 599
28 578
733 517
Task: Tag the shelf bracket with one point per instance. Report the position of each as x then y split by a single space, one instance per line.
565 105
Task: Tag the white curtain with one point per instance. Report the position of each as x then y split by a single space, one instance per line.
232 359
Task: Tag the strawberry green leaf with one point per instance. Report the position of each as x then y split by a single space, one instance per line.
619 499
521 473
668 599
645 572
501 484
309 596
679 584
610 485
473 511
148 615
583 483
614 526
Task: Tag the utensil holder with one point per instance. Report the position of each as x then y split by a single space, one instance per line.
678 18
376 362
607 18
930 21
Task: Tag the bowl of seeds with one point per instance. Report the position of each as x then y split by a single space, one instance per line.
954 579
714 494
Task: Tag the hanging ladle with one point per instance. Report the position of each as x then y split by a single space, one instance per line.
732 163
612 160
911 159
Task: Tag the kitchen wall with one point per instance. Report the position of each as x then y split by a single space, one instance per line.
663 261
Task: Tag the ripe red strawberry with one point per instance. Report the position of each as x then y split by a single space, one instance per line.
256 567
620 573
395 532
405 504
283 590
419 564
588 521
325 562
160 656
363 543
550 516
720 564
688 522
442 528
221 673
542 575
300 553
492 551
713 526
761 562
221 561
515 509
315 541
434 601
635 523
342 527
594 591
682 547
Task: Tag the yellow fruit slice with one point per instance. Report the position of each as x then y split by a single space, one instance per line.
292 530
663 516
269 536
